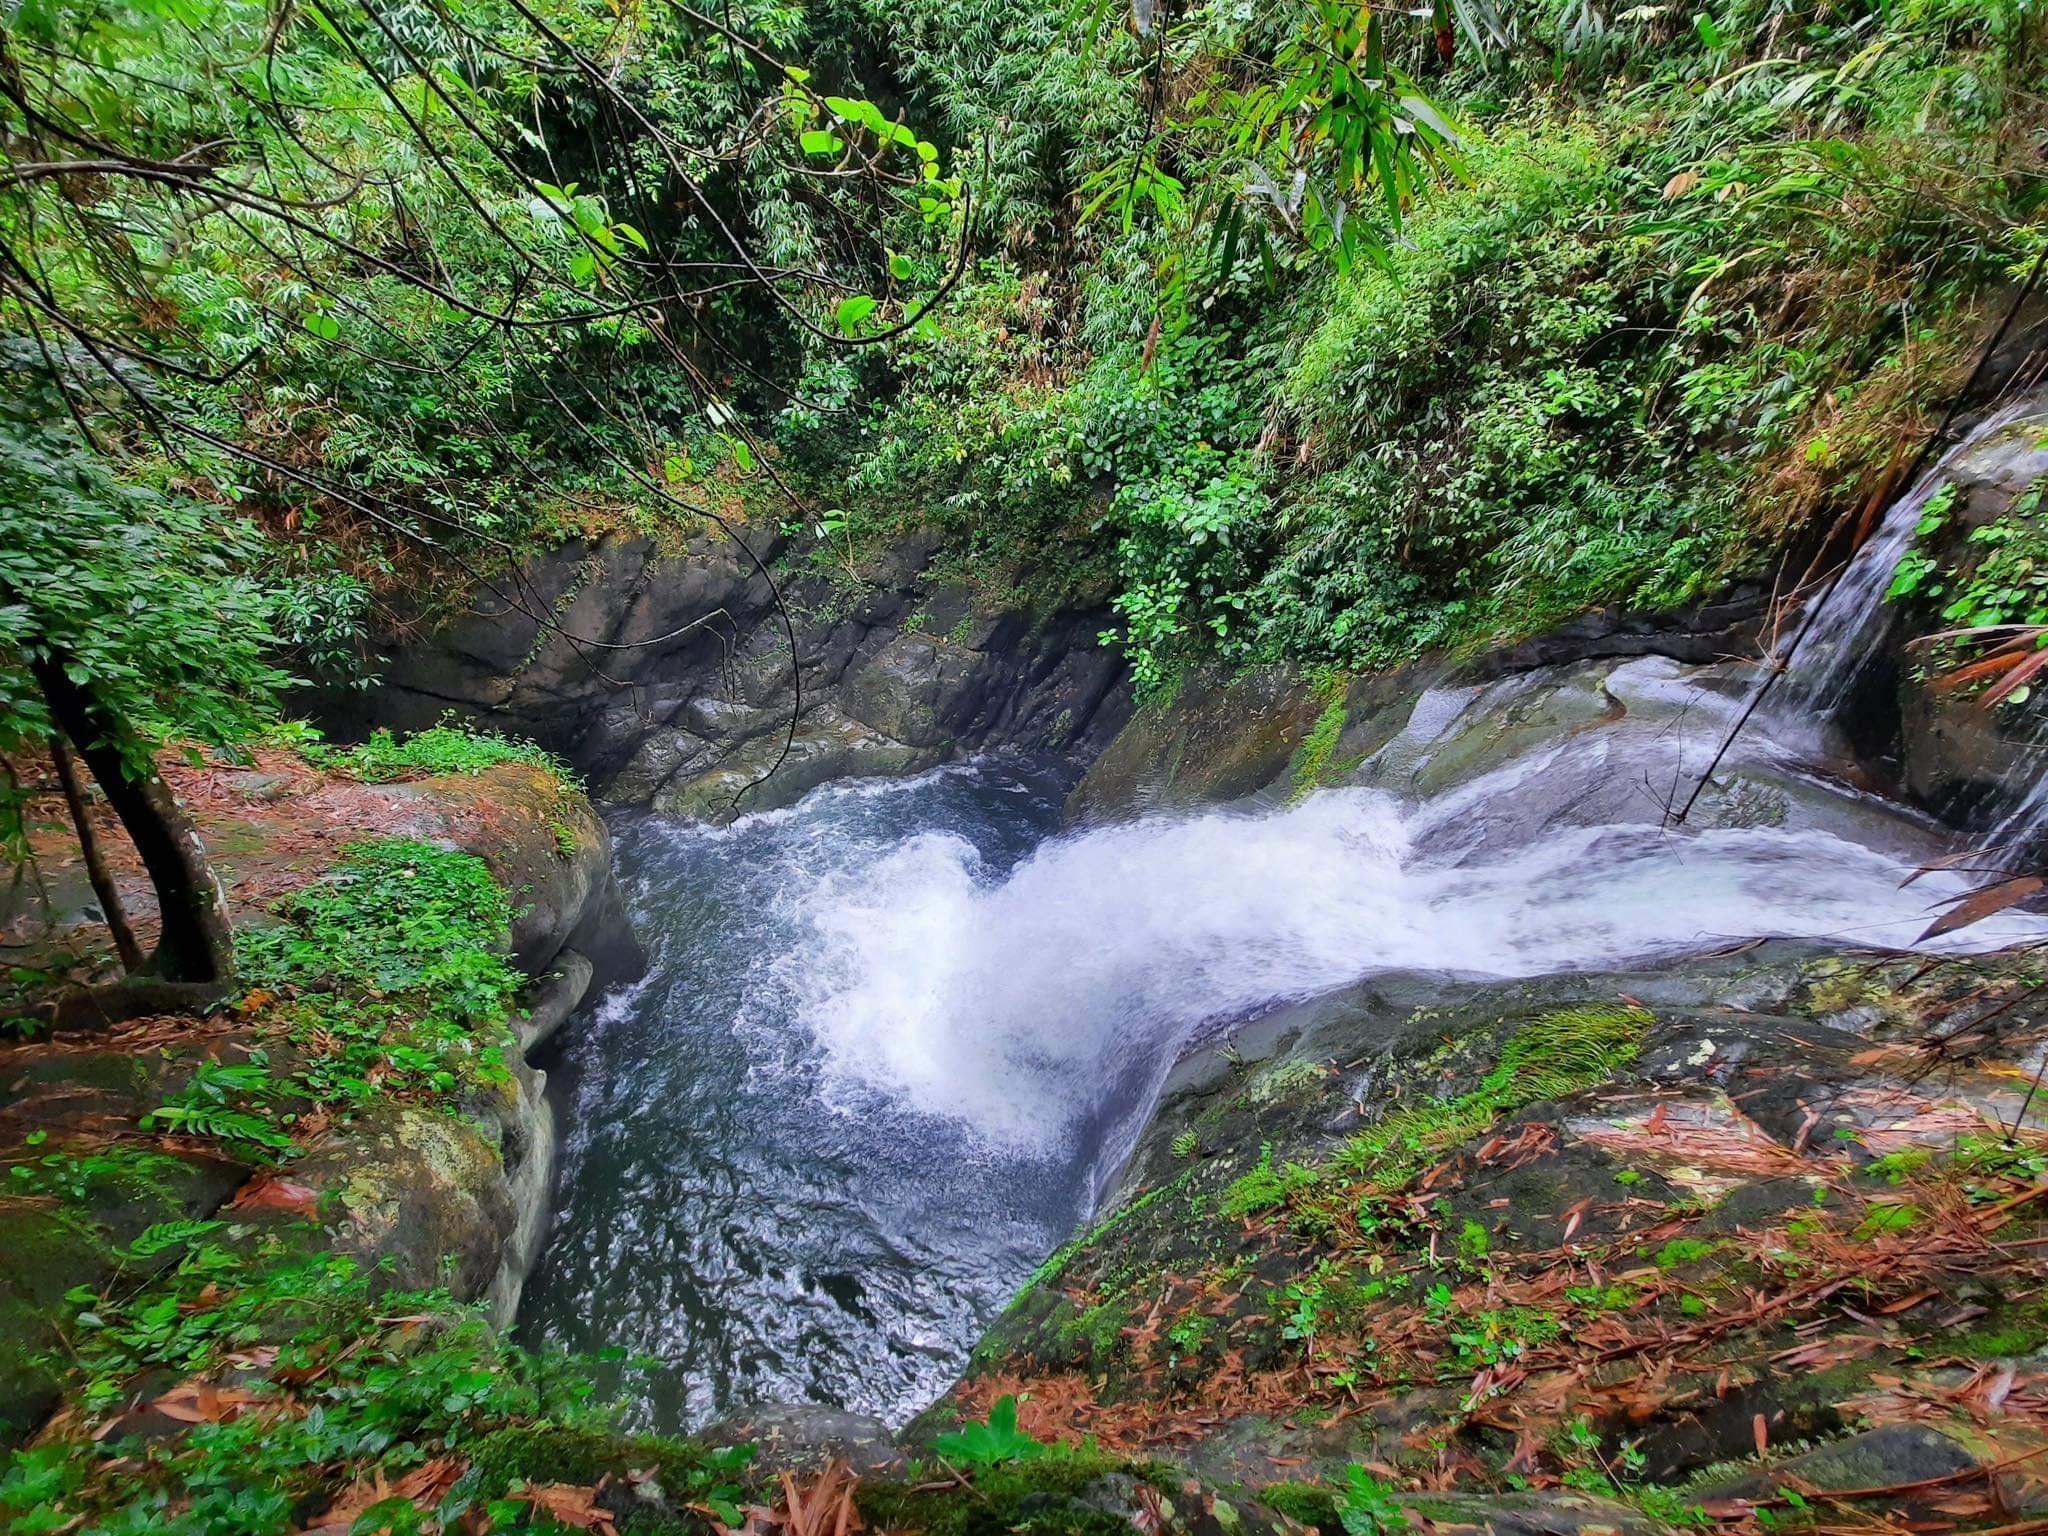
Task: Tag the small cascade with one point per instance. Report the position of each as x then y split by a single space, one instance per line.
2019 831
1848 630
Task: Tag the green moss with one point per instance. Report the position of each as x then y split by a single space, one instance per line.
1039 1495
1558 1053
1683 1250
1094 1333
1264 1188
1290 1079
1065 1254
2000 1343
1304 1503
2014 1328
1312 757
565 1453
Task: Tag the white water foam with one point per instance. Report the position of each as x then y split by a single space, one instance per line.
1010 1004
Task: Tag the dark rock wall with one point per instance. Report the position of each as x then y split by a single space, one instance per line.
664 676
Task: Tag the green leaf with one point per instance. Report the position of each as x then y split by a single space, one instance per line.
900 267
1709 33
997 1440
822 141
326 327
852 311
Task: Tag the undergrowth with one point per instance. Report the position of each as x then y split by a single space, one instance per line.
1551 1056
447 748
291 1372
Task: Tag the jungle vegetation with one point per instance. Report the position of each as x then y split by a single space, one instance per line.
1286 330
1298 330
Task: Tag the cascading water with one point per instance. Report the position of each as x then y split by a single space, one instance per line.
898 1035
1845 634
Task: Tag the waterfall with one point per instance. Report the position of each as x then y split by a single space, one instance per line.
898 1037
1010 1004
1848 629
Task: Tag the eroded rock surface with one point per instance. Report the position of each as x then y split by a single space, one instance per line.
1606 1231
688 696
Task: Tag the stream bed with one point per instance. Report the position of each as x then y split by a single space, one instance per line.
772 1200
897 1040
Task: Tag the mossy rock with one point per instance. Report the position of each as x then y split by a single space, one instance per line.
416 1192
44 1252
1216 739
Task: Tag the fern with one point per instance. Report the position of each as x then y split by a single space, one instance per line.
163 1236
218 1123
1566 1051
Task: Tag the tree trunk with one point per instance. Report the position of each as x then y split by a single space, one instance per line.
197 942
95 858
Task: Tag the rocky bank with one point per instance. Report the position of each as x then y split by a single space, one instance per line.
661 670
426 1190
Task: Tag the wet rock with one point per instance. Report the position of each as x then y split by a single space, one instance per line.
257 786
418 1192
1258 1449
910 688
552 999
805 1437
1218 739
684 713
827 746
1706 633
658 758
1965 763
1526 1514
1878 1458
1631 1252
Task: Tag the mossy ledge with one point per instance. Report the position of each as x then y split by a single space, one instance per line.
1551 1243
258 1257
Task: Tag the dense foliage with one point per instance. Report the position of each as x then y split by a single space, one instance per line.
1298 331
1676 296
318 302
1313 332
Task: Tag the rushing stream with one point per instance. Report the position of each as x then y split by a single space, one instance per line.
765 1184
897 1037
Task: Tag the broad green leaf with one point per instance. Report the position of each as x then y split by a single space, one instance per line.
852 311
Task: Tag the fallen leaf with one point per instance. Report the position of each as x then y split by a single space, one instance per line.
279 1195
424 1485
1980 904
201 1402
569 1505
